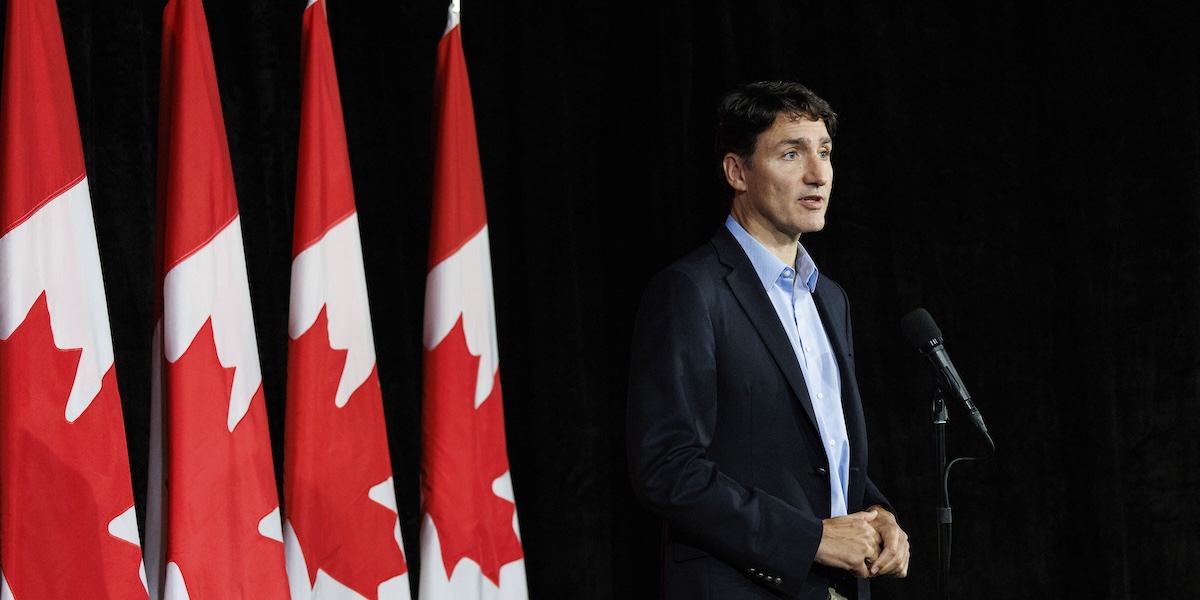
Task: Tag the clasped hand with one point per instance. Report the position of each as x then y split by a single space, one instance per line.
868 544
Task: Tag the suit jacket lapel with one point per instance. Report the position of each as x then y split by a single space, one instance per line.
827 319
748 290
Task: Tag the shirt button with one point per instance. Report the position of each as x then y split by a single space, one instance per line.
820 396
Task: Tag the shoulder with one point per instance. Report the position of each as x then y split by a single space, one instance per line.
689 278
712 267
715 258
689 288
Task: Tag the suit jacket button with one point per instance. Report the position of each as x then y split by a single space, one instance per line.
822 471
777 581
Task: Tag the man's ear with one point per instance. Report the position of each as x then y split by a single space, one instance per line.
734 168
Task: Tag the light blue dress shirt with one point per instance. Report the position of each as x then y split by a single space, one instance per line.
793 301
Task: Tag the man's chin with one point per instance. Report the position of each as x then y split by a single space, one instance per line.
813 226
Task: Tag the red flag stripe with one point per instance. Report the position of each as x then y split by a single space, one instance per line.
323 177
195 176
459 212
41 155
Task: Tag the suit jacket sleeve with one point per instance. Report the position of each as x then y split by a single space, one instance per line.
673 402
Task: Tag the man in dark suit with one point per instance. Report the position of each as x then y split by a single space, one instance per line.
745 427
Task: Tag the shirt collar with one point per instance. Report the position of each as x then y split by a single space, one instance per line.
768 266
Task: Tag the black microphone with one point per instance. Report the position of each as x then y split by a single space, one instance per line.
924 334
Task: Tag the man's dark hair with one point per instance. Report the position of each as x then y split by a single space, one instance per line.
751 109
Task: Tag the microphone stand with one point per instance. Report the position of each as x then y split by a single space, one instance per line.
944 518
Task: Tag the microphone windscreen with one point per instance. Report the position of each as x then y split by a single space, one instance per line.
919 328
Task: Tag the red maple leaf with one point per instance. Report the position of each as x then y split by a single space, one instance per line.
465 451
61 483
220 484
334 456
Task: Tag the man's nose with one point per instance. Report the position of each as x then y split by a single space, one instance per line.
818 172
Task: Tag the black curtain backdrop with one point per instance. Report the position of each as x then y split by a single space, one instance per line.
1027 173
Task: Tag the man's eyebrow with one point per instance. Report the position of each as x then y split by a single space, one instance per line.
803 142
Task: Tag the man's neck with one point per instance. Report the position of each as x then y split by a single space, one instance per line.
783 246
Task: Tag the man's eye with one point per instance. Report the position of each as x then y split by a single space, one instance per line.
790 155
825 153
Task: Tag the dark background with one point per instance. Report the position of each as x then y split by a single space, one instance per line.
1027 173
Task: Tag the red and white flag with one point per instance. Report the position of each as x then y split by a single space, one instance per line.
213 525
470 540
67 523
341 527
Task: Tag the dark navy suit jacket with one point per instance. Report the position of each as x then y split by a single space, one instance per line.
722 440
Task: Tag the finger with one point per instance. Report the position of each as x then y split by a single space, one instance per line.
898 568
902 568
893 562
883 562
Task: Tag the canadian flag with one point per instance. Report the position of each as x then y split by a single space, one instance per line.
470 540
213 524
341 527
67 523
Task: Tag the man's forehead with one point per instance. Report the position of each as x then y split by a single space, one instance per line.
798 130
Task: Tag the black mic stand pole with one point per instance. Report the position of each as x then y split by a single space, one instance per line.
943 511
